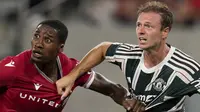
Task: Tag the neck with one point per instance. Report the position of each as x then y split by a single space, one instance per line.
48 68
154 56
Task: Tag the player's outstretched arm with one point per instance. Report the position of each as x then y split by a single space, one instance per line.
117 92
94 57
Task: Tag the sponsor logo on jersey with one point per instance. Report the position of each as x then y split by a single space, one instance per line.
37 86
143 98
159 84
39 100
10 64
146 98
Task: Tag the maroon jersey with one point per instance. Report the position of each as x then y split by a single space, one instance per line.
25 88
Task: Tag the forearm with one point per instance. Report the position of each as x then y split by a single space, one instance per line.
115 91
119 94
94 57
104 86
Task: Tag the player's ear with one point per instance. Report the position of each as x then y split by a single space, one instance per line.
61 48
165 32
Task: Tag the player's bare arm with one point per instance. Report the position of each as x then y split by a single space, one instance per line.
94 57
117 92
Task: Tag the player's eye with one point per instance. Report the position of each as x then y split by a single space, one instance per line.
138 24
36 36
48 40
148 26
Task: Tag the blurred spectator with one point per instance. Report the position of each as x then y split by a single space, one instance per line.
84 11
189 12
186 11
126 11
80 8
69 7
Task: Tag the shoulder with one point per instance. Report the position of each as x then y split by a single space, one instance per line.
184 63
124 49
125 46
9 66
185 59
15 62
65 60
67 63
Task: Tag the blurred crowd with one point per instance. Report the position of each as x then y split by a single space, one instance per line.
186 11
14 14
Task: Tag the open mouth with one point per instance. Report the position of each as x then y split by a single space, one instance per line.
142 39
37 54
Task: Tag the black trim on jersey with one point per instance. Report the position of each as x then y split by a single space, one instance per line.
183 53
112 47
129 54
130 50
141 84
131 65
185 58
165 73
127 45
186 64
179 66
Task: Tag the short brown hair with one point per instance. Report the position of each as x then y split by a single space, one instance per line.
162 9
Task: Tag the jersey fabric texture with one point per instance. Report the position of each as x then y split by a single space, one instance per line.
25 88
163 87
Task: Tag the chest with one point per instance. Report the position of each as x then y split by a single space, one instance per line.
35 92
147 84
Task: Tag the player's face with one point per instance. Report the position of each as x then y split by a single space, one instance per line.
45 44
148 30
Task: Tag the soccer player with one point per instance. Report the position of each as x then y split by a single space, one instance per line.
27 80
158 73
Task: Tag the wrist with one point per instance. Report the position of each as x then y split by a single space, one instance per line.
75 73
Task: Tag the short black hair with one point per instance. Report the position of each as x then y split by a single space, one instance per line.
60 27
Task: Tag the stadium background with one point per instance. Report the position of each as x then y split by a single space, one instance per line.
89 22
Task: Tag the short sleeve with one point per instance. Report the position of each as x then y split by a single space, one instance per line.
68 65
86 79
119 53
111 54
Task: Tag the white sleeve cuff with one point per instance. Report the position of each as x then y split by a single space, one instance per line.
90 79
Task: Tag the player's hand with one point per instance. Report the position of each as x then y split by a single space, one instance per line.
133 105
64 86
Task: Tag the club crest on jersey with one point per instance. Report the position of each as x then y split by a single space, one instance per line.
159 84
